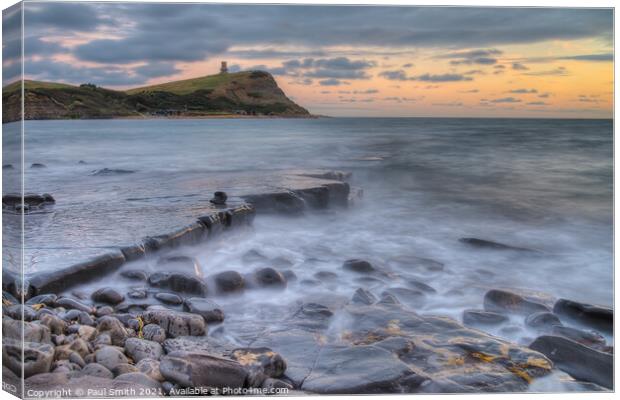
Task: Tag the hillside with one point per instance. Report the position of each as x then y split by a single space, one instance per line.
241 93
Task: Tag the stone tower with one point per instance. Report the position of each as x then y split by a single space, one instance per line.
224 67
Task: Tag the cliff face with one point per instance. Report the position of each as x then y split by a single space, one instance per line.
243 93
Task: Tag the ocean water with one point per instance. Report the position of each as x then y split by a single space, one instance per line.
540 184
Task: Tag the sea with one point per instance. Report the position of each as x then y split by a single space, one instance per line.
541 184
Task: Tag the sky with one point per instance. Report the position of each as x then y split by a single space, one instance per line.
336 60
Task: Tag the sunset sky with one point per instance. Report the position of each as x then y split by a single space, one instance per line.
336 60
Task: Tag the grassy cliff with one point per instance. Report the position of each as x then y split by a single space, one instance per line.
241 93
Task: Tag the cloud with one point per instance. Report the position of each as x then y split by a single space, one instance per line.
470 91
505 100
480 60
157 69
590 57
451 104
537 103
400 99
395 75
519 67
471 54
408 65
559 71
332 82
443 78
544 95
525 91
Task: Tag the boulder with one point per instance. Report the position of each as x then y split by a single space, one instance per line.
103 311
418 264
32 332
405 295
47 299
359 266
194 369
421 286
209 310
481 317
269 278
176 323
219 198
254 256
154 332
182 264
581 362
542 320
169 298
587 338
70 303
139 349
262 359
37 357
503 301
363 296
487 244
135 275
150 368
178 282
598 317
110 357
137 379
98 370
114 329
122 369
107 295
229 281
20 312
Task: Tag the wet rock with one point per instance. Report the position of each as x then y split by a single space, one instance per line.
136 379
121 369
229 281
137 294
481 317
37 357
487 244
69 303
271 385
110 357
421 264
579 361
37 165
285 202
388 298
47 299
406 295
176 323
281 262
363 296
269 277
253 256
209 310
183 264
107 295
326 276
263 359
102 340
422 286
7 166
78 345
94 369
289 275
193 369
32 332
596 316
178 282
542 320
86 332
169 298
359 266
17 311
139 349
587 338
134 275
111 171
154 333
114 329
503 301
77 359
150 368
359 370
103 311
219 198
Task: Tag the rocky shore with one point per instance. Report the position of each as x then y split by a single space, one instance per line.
144 331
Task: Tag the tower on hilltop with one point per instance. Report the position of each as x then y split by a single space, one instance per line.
224 68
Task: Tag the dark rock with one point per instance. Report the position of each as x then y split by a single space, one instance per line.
193 369
422 286
176 323
542 320
281 262
178 282
360 370
56 325
503 301
596 316
139 349
359 266
274 385
133 252
77 359
137 294
325 275
388 298
219 198
406 295
269 277
18 311
7 166
209 310
32 332
82 162
190 234
94 369
135 275
103 311
154 332
587 338
229 281
107 295
169 298
581 362
183 264
37 165
111 171
263 359
137 379
410 262
47 299
363 296
481 317
110 357
289 275
69 303
487 244
37 357
288 203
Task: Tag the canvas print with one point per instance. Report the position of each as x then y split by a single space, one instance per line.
246 199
